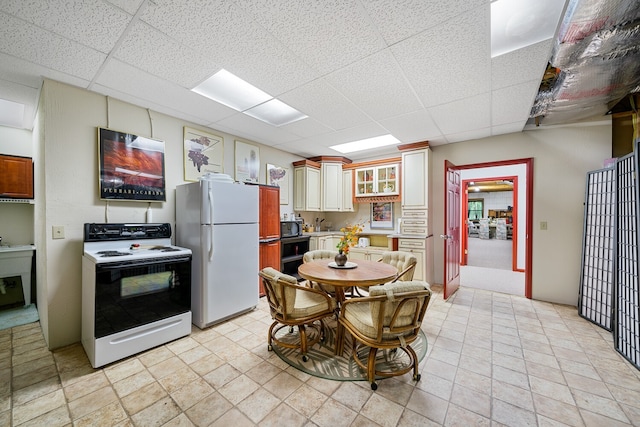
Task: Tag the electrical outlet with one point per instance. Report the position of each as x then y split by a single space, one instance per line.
543 225
58 232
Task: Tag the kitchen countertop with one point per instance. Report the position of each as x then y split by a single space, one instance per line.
339 233
408 236
16 248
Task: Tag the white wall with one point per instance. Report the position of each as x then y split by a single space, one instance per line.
67 179
562 157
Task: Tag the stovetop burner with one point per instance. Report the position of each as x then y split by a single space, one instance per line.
105 254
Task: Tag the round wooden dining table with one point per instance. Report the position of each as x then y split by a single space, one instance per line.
366 273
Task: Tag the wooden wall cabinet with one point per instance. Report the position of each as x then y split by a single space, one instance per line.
269 229
16 177
331 186
347 191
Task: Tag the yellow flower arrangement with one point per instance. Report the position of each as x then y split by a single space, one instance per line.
349 237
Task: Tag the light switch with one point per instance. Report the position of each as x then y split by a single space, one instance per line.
543 225
58 232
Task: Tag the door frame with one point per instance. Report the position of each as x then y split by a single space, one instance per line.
464 247
528 162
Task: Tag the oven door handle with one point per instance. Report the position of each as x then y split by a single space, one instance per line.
142 262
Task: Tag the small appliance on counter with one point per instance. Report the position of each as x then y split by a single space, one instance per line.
363 242
290 229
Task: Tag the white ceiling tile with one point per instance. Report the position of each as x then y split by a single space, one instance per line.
129 6
143 88
178 63
321 101
363 131
307 128
255 129
515 67
412 127
464 115
398 19
31 43
508 128
469 135
512 103
450 61
300 147
96 24
327 35
375 84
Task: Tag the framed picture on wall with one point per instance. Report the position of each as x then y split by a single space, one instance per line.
279 177
247 162
382 215
203 153
130 167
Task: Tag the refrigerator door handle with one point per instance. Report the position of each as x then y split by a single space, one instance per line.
211 245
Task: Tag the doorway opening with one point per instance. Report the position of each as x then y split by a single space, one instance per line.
483 222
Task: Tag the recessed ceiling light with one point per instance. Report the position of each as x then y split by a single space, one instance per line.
232 91
11 113
520 23
276 113
366 144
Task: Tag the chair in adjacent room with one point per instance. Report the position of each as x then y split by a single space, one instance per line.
291 305
388 319
315 255
474 229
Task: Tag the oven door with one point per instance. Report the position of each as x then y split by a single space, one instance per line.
137 292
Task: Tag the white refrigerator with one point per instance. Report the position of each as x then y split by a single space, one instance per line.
218 220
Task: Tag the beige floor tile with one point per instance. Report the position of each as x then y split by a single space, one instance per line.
143 398
26 394
166 367
428 405
29 378
88 384
181 345
233 418
263 372
513 395
551 390
180 421
206 364
578 382
192 393
306 400
110 414
91 402
599 405
509 376
178 379
25 368
222 375
351 395
208 409
557 411
123 369
194 354
458 416
157 414
155 356
236 390
333 414
56 417
282 385
133 383
37 407
284 415
472 400
258 405
382 411
510 415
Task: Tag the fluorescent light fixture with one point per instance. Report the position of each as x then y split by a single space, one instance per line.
366 144
520 23
11 113
276 113
232 91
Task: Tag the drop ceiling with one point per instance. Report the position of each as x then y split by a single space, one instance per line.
419 70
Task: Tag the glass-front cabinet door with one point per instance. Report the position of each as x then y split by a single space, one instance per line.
377 181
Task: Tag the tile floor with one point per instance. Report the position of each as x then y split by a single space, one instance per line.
494 360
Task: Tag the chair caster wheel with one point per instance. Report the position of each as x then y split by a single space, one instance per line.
374 386
305 358
290 329
269 348
417 377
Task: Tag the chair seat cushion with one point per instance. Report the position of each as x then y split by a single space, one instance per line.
308 303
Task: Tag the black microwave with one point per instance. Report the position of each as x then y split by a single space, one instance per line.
290 229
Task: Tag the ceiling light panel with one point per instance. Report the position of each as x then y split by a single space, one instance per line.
366 144
276 113
232 91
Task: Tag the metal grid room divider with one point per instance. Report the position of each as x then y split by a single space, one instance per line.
626 333
597 281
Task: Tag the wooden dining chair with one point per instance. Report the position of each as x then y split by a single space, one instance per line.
291 305
404 262
315 255
389 319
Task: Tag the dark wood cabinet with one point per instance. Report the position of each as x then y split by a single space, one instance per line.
269 212
269 228
16 177
269 257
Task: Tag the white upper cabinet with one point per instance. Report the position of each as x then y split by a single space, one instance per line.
347 191
307 188
377 181
331 186
415 181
